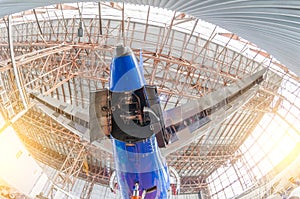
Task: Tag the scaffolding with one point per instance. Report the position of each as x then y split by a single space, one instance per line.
182 59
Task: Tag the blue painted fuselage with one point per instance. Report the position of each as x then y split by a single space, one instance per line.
136 154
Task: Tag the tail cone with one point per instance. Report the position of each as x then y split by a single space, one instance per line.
126 74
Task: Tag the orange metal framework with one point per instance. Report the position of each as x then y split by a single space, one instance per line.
54 61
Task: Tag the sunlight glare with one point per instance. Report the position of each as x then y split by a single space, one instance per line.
17 167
